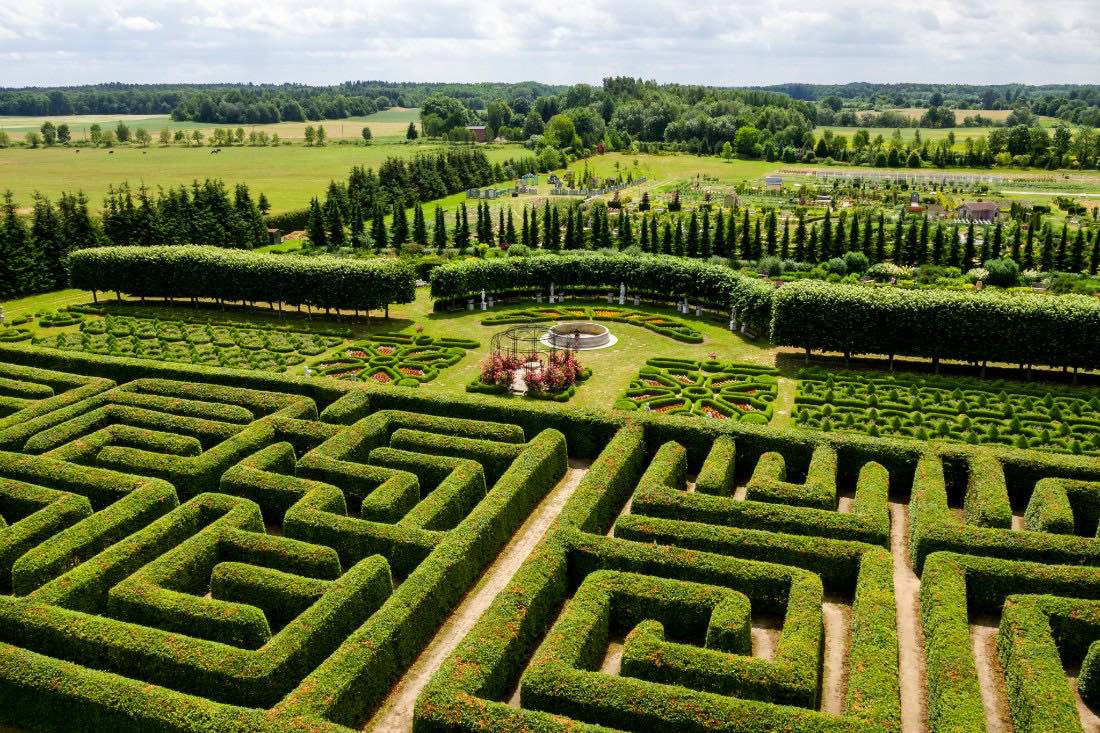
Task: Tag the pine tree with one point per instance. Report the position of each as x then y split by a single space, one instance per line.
757 242
954 254
827 236
666 239
693 236
546 224
315 226
1015 251
510 230
534 235
678 237
16 267
937 245
785 243
811 246
1077 253
1094 259
605 230
880 239
987 241
866 247
731 234
705 248
356 224
653 232
570 230
619 230
899 241
50 248
746 238
335 224
439 230
800 238
644 231
772 233
1029 247
626 235
553 236
524 231
1062 257
853 234
911 243
420 227
922 248
502 233
720 234
998 240
969 252
1047 255
378 229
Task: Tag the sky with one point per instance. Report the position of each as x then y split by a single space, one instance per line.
734 43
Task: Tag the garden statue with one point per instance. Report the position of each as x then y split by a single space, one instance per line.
622 293
483 299
551 293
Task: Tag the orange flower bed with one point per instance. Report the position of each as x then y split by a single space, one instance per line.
744 407
646 396
607 314
410 372
668 408
652 383
386 350
381 377
358 354
711 412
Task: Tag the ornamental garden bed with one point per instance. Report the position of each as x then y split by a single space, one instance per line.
711 388
210 344
955 409
398 359
666 326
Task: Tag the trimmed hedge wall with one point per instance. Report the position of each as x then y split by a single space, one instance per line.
665 277
938 324
224 274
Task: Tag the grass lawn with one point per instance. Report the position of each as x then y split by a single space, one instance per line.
388 123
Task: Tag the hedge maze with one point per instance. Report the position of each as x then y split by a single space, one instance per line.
211 344
194 549
257 554
405 360
671 327
952 409
714 389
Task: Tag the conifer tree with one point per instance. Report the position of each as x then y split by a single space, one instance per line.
899 241
546 224
1029 246
911 243
420 227
746 238
853 234
378 229
510 230
757 242
693 236
800 237
502 234
533 235
1077 253
1094 259
827 236
785 243
626 236
771 233
335 224
1015 251
720 234
922 247
1061 259
439 230
678 238
315 226
731 234
553 233
666 238
811 246
605 230
937 245
705 248
880 239
865 246
954 253
570 232
1047 255
49 249
653 232
644 232
998 241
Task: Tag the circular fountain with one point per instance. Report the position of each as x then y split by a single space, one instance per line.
579 336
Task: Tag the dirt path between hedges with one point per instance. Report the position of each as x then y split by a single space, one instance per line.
396 713
914 694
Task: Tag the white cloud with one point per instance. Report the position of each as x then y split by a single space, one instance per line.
701 41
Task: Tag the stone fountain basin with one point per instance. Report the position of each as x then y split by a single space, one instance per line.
579 335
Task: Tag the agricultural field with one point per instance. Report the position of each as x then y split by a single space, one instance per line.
390 123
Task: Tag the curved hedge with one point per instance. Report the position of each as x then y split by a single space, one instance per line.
665 276
214 272
939 324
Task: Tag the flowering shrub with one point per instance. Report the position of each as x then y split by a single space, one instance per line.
499 370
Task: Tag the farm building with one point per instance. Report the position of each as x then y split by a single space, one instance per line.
978 211
773 182
477 133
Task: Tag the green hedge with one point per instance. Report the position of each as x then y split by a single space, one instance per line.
214 272
665 277
938 324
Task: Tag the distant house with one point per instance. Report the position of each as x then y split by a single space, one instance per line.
773 183
477 132
978 211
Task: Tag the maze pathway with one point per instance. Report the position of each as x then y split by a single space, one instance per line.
196 550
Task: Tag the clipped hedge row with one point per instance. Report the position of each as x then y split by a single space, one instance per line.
237 275
938 324
669 278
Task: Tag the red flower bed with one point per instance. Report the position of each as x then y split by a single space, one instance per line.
410 372
381 377
386 350
645 396
711 412
358 353
668 408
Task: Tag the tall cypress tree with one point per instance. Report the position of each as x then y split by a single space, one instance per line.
746 238
335 222
1094 259
439 230
998 240
922 248
570 230
800 237
400 224
653 232
378 229
678 237
315 224
811 246
525 232
771 233
1029 246
865 246
954 255
1047 254
705 248
666 239
899 241
731 234
827 236
626 235
553 233
937 245
1015 251
693 236
644 231
880 239
534 236
502 234
510 229
546 224
1077 253
1062 257
785 243
853 234
911 242
605 230
720 234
